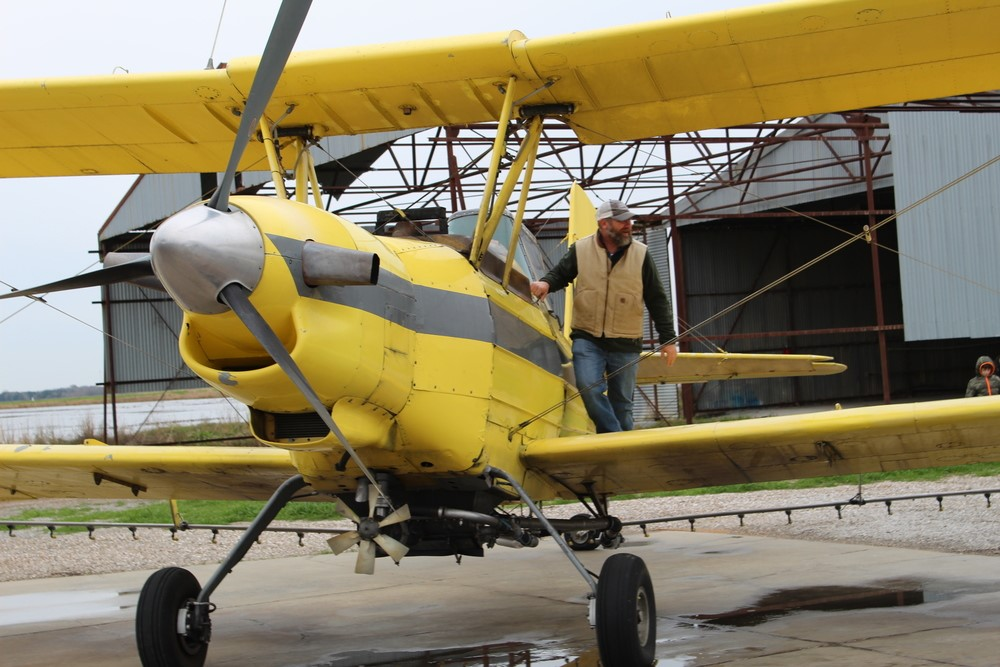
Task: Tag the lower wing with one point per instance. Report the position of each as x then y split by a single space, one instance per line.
104 471
821 444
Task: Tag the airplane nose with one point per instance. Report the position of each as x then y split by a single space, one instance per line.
199 251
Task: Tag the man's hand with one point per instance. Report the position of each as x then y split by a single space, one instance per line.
670 354
539 289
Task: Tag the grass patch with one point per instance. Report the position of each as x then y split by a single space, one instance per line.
214 512
917 475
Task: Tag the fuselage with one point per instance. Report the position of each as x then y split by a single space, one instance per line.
431 373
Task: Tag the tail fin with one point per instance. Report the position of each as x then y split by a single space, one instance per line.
582 223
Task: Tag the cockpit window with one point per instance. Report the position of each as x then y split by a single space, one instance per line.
528 257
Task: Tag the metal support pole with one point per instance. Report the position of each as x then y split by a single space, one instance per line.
865 135
680 310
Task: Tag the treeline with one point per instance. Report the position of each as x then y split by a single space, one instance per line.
65 392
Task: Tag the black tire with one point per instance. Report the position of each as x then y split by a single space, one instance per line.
626 613
163 597
582 540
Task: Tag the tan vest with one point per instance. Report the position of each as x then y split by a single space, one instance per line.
619 316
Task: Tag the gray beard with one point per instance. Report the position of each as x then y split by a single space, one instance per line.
620 240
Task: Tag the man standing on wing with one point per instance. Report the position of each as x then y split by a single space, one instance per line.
614 277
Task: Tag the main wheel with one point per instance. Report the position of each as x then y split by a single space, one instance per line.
581 540
160 620
626 613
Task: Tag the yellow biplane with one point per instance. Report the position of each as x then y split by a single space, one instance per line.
412 380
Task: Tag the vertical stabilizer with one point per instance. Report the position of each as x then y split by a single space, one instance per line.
582 223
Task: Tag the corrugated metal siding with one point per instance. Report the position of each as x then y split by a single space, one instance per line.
726 262
659 402
153 198
770 188
949 266
142 345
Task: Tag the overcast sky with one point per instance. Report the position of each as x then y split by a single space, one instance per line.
48 227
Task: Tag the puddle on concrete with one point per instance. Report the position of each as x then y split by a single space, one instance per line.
495 655
817 598
60 606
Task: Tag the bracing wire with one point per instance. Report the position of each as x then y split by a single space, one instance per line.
215 41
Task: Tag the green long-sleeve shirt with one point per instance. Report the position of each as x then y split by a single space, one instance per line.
653 296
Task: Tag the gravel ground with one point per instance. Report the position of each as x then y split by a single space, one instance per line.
964 524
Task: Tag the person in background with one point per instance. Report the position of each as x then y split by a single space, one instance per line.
986 383
614 277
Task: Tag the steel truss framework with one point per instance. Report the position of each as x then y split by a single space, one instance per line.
665 176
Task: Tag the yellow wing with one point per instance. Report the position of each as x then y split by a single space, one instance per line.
649 79
837 442
104 471
702 367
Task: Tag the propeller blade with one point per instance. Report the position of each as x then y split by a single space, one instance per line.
400 515
373 494
366 558
118 258
344 509
393 547
127 272
341 543
284 32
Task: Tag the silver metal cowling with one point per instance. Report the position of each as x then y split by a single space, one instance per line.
197 252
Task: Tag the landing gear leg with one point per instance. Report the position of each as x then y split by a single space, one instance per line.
622 607
172 628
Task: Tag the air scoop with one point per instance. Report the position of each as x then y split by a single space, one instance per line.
199 251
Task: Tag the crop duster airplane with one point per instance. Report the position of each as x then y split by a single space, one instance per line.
412 381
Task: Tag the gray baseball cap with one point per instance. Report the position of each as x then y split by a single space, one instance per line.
614 209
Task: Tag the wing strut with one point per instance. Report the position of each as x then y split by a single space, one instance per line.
481 240
489 220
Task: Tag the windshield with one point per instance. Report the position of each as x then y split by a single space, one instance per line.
528 256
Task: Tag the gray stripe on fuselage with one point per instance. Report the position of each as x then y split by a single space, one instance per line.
429 310
517 337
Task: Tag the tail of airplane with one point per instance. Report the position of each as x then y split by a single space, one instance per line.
582 223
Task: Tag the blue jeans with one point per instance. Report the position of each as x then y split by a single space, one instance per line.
598 371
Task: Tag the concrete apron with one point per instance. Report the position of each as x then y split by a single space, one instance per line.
721 600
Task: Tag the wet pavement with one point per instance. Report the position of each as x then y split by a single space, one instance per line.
721 600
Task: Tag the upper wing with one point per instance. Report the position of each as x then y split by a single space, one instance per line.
702 366
649 79
104 471
838 442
